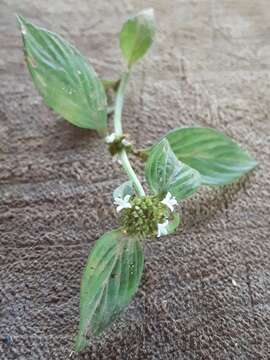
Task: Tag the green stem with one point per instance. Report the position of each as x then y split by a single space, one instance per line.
119 101
119 131
130 172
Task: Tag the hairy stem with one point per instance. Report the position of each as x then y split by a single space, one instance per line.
119 101
119 131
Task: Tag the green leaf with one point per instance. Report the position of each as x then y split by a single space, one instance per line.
67 83
164 173
173 224
218 159
111 278
124 189
137 35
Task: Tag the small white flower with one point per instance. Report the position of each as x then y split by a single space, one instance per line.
125 142
109 139
162 228
169 201
122 203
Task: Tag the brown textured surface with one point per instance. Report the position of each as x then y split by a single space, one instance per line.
205 293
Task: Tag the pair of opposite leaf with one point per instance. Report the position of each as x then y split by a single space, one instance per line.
64 78
178 164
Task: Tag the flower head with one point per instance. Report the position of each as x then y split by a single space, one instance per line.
122 203
162 228
169 201
143 215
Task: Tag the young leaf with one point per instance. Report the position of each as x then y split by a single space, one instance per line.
218 159
164 173
137 36
124 189
111 278
62 76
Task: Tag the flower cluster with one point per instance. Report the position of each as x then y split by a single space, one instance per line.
117 143
145 215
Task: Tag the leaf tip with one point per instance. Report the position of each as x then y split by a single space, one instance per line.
21 20
22 23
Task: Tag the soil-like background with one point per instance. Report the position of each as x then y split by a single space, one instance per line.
205 293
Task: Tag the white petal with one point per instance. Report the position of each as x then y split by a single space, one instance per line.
122 203
126 198
125 142
169 201
110 138
119 208
162 228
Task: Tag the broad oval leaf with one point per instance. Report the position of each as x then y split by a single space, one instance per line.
111 278
124 189
67 83
164 173
137 35
218 159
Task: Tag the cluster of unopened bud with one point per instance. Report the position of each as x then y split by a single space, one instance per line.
144 215
118 143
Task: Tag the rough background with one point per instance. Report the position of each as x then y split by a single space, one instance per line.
205 293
